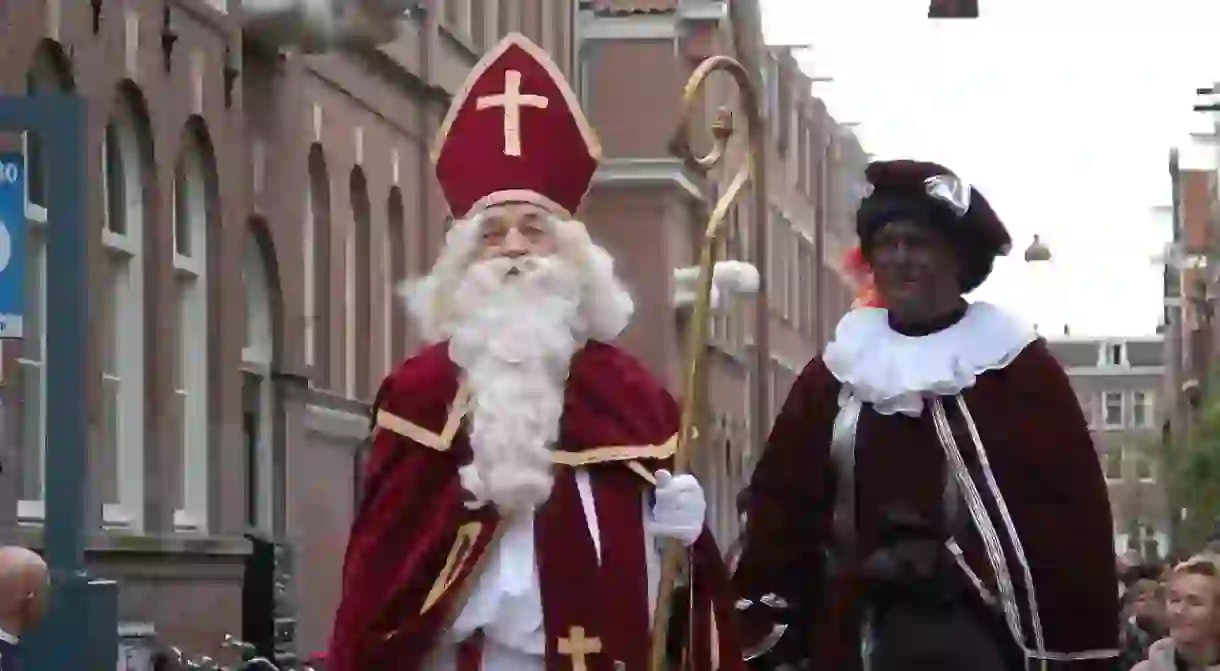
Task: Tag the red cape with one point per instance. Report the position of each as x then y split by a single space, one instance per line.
414 546
1044 461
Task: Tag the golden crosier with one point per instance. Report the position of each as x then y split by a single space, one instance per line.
722 130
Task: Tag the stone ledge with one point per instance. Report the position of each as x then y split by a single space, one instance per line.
336 423
215 547
635 172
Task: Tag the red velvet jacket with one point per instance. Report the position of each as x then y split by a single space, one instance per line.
1044 462
415 547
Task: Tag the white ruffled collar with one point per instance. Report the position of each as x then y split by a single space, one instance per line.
893 372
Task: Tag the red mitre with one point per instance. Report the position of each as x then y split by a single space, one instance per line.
515 133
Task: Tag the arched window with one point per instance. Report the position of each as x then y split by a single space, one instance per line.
48 73
359 290
258 396
395 311
192 209
317 243
126 152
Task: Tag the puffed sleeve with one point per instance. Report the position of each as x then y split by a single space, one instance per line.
780 573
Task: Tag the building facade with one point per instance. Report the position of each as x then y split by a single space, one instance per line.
1120 383
1189 329
255 206
634 58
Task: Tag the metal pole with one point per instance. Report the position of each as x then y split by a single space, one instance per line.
81 628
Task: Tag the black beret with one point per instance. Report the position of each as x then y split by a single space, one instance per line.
930 194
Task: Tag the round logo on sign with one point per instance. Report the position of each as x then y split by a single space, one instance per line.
6 246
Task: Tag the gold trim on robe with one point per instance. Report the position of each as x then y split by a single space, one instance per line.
442 441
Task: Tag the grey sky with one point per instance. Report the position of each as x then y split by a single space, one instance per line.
1064 122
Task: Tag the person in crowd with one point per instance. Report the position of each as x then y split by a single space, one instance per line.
1145 619
953 411
1192 616
24 584
517 493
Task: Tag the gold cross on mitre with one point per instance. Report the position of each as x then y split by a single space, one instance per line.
512 100
579 647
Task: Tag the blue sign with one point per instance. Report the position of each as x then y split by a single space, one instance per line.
12 245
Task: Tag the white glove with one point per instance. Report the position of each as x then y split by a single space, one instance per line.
680 507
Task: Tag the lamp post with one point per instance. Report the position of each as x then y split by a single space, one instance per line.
1038 257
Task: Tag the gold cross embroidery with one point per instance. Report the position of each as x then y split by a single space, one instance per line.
578 647
512 100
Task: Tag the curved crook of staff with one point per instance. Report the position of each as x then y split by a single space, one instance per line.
749 164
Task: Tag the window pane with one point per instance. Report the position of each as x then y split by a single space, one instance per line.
251 429
35 170
182 213
178 471
182 333
115 286
35 293
108 456
1114 409
29 380
112 167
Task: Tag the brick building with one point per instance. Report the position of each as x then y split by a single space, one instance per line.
1189 330
255 206
634 58
1120 385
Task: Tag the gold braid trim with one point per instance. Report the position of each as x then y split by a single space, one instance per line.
601 455
426 437
442 441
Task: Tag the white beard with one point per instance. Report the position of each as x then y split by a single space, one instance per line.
514 337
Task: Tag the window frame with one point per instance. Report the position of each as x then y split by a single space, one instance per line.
191 380
1143 403
126 248
257 358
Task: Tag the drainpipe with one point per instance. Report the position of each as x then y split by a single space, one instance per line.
427 33
1182 423
746 21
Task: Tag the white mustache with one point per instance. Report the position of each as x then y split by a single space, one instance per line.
503 267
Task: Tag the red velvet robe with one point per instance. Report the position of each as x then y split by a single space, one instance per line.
1045 464
414 547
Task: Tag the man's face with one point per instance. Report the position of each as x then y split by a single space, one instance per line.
1148 604
514 231
915 271
34 605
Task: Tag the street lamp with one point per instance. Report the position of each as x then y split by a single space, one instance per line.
953 9
1038 257
1037 251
